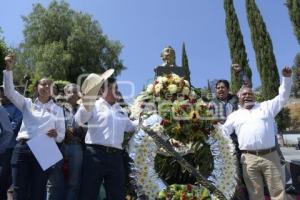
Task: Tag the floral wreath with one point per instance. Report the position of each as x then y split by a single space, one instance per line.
171 108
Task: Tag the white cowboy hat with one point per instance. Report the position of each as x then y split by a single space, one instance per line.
91 86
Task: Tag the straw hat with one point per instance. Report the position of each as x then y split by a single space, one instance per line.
91 86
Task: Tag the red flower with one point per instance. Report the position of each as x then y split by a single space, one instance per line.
183 197
184 107
164 122
192 101
189 187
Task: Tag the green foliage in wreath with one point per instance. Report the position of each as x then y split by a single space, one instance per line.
171 171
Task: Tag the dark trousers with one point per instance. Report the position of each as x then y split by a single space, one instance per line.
99 166
5 173
29 180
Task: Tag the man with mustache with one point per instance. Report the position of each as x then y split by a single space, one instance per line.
254 126
224 103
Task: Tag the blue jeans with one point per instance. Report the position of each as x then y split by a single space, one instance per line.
55 184
73 157
99 165
5 172
29 180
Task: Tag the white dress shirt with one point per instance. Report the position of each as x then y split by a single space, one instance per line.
106 124
255 127
38 118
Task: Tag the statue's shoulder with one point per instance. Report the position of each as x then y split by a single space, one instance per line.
163 70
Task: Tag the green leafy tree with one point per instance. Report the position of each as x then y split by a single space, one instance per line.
3 52
185 64
296 76
294 12
237 48
262 44
63 44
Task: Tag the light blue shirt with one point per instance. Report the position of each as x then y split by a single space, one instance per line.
15 117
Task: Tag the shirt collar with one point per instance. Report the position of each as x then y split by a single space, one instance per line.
255 105
115 105
37 101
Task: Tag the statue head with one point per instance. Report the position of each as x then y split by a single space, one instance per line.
168 57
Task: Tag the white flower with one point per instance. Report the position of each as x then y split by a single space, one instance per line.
186 83
158 99
158 87
175 76
177 79
157 128
162 79
193 94
185 91
172 88
149 89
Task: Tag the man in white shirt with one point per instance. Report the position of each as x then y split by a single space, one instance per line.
254 126
103 158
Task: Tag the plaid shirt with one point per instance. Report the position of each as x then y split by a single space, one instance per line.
78 132
222 108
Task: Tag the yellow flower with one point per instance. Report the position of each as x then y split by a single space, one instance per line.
176 128
194 115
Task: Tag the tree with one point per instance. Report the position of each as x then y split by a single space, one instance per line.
262 44
3 52
284 120
296 76
63 44
237 48
185 64
294 12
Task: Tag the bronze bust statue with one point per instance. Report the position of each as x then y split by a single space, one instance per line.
168 66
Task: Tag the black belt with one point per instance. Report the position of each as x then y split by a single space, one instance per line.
105 148
23 141
259 152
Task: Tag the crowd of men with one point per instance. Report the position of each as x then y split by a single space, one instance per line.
90 139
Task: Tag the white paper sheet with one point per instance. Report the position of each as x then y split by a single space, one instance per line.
45 150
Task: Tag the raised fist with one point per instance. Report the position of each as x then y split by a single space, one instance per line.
286 72
236 67
10 61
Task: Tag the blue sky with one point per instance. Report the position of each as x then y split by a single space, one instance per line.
145 27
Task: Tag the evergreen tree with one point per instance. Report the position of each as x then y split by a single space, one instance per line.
296 76
185 64
209 87
294 12
237 48
209 95
63 44
262 44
